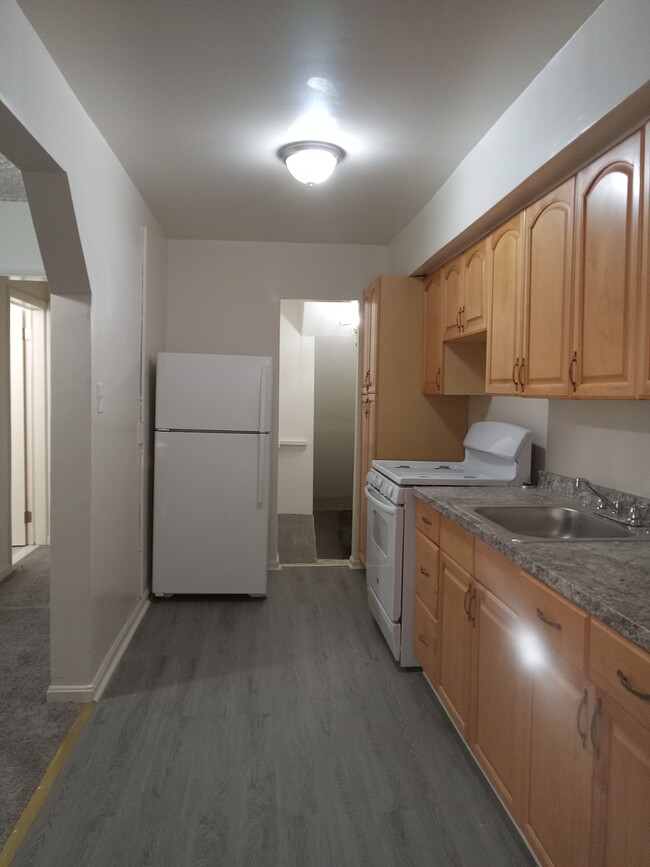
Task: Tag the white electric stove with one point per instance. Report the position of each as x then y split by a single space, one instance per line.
496 453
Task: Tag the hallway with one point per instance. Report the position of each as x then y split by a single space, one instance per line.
269 732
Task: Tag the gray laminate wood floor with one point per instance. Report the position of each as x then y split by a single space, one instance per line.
272 732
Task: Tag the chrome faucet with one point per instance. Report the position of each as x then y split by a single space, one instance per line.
632 515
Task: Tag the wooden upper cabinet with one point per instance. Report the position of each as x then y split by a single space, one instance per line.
474 298
465 292
503 355
643 389
608 194
452 294
432 356
546 314
370 338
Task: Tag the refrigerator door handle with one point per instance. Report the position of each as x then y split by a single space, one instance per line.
262 425
261 469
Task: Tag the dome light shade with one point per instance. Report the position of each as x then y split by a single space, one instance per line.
311 162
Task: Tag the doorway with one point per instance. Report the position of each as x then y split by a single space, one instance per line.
29 412
317 410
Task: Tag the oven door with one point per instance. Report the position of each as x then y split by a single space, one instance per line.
384 546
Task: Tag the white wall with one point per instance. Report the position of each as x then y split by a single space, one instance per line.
335 388
295 414
606 441
96 560
19 253
544 135
225 297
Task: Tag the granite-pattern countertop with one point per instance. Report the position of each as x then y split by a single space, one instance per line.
610 580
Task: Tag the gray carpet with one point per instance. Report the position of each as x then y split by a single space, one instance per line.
296 538
30 729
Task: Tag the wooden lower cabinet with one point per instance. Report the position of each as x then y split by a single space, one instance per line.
455 642
621 806
499 689
556 816
425 640
554 705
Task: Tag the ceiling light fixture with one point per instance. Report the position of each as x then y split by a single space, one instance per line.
311 162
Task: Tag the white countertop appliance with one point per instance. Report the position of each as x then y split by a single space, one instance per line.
496 453
211 474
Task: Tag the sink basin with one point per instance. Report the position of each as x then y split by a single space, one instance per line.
557 524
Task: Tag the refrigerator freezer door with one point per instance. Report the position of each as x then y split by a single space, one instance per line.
213 392
209 530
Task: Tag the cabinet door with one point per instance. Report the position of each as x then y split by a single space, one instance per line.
499 697
367 455
432 372
425 639
622 790
452 292
455 641
548 272
606 273
559 766
369 338
503 354
643 389
473 309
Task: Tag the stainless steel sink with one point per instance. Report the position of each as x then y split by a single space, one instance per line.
557 524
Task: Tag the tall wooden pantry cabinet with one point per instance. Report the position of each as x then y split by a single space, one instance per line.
396 420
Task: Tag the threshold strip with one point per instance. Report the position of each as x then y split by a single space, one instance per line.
28 815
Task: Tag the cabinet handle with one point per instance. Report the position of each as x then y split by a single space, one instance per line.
466 601
462 318
458 319
625 683
515 369
573 364
438 378
552 623
424 572
582 707
472 609
422 639
595 728
522 368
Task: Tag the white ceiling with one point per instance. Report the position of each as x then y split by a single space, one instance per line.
196 97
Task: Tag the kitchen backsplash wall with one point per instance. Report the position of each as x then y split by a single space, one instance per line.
606 441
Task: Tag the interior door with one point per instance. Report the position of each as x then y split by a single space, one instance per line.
19 502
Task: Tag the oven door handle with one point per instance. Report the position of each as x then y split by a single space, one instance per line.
378 504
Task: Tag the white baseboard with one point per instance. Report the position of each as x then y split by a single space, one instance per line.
93 691
354 563
274 565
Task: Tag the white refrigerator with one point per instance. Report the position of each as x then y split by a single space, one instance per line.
211 473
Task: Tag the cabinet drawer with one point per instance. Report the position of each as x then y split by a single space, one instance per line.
610 654
561 624
427 520
425 638
426 572
499 575
458 543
